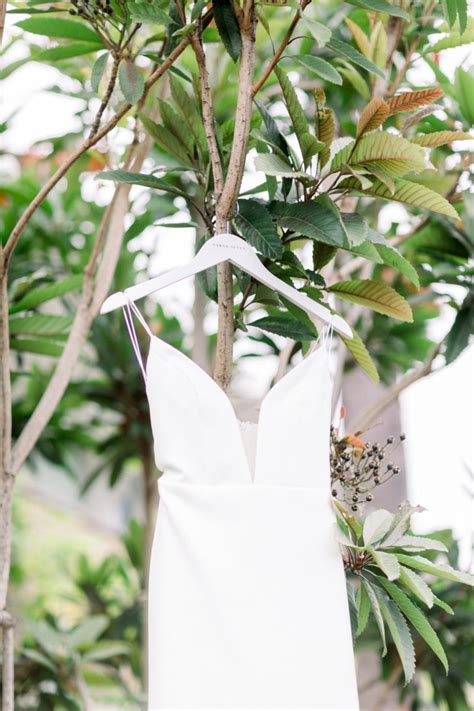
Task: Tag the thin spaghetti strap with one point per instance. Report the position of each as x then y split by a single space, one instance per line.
127 312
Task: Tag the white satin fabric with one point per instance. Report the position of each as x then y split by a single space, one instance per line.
247 603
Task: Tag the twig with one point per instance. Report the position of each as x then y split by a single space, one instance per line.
283 45
107 95
89 142
3 11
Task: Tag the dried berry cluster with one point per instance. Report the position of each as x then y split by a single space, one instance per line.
358 467
91 9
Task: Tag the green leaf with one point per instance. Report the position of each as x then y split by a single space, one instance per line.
41 294
376 525
416 585
98 71
59 27
104 649
148 181
354 56
439 570
401 523
320 67
360 353
256 225
311 219
363 609
450 11
421 542
322 254
66 51
149 13
400 634
188 112
40 346
461 6
271 164
178 128
285 325
440 138
377 612
228 27
387 563
40 325
375 295
356 80
406 192
381 6
454 39
131 81
295 110
443 605
392 257
40 658
464 86
392 154
88 631
355 227
416 617
310 146
321 33
458 337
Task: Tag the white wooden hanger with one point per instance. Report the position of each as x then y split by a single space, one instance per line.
222 248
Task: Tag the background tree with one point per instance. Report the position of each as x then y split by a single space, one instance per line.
320 100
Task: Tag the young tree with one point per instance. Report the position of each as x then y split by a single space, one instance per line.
320 100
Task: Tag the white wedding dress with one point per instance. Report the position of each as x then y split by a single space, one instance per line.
247 604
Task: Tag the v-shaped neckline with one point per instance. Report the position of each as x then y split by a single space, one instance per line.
321 350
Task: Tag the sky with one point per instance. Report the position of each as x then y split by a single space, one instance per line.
437 412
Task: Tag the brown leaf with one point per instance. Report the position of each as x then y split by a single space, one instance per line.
440 138
372 116
413 99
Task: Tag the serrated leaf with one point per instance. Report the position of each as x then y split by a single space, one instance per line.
375 295
98 71
439 570
387 563
372 116
421 542
400 634
271 164
464 88
355 227
440 138
321 33
311 219
354 56
149 13
392 257
228 27
172 122
40 325
360 38
376 525
377 612
410 100
459 336
322 254
454 39
295 110
416 585
148 181
285 325
61 28
381 6
408 193
131 81
326 130
416 617
401 522
320 67
393 154
38 346
363 610
65 51
42 294
256 225
360 353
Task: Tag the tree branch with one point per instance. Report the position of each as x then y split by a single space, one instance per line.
3 10
94 291
228 198
283 45
91 141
